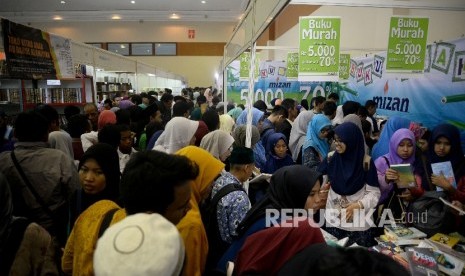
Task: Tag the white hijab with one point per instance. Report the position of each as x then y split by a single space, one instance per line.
177 135
217 142
298 132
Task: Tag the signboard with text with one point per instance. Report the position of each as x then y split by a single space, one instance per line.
407 44
34 54
292 65
319 48
344 66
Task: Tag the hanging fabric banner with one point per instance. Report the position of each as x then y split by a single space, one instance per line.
437 96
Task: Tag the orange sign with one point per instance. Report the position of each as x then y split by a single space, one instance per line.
191 34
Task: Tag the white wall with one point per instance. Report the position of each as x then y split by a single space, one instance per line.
198 70
365 30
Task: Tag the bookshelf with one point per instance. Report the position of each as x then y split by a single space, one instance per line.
107 90
26 94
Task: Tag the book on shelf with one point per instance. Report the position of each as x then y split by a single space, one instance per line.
448 203
422 261
406 176
401 232
445 169
444 239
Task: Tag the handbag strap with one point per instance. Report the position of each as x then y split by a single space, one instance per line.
29 185
106 221
428 179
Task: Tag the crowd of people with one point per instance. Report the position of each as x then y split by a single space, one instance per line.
158 185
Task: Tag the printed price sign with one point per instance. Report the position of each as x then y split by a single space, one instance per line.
407 44
344 63
292 65
319 48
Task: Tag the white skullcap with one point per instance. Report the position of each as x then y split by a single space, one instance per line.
141 244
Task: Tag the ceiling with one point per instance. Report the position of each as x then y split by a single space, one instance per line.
23 11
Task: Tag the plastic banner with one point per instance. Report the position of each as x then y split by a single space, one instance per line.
319 48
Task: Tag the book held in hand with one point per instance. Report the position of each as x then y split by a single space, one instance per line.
406 176
445 169
448 203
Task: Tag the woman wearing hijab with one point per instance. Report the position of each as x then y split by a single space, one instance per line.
218 143
298 132
235 112
25 247
445 146
179 132
191 226
259 149
382 146
266 251
256 116
277 156
401 151
293 186
99 175
209 96
315 147
353 187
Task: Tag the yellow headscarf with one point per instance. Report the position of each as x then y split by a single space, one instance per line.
191 227
209 169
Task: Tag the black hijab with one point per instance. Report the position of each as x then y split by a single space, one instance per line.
345 171
289 188
107 158
455 155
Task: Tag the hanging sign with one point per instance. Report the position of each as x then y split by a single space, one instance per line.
344 66
319 48
191 34
292 71
407 44
34 54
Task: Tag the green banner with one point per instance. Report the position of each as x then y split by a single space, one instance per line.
244 65
292 71
319 48
344 66
407 44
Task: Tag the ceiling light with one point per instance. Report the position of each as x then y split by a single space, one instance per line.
57 17
122 46
116 17
63 2
174 16
203 2
133 2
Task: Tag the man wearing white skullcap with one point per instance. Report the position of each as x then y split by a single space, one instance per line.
140 244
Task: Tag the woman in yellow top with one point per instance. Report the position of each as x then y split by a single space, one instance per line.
152 182
191 226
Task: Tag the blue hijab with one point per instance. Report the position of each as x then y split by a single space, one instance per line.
256 116
274 162
317 123
382 146
345 171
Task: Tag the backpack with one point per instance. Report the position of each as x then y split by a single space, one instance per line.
429 215
216 246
